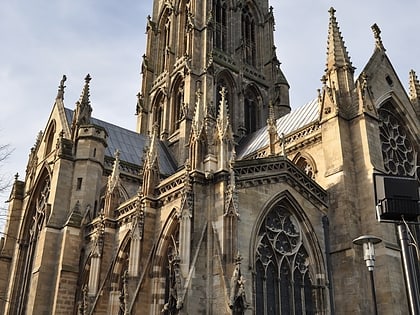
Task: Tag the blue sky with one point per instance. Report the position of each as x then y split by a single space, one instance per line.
42 40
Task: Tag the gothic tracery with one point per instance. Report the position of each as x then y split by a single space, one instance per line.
398 151
283 284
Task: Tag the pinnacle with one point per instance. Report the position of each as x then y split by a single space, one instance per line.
337 55
414 86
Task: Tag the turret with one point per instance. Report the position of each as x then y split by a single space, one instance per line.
90 142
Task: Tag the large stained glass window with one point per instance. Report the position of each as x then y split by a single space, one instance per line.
283 284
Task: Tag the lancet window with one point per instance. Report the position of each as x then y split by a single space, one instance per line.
251 112
165 30
158 113
248 37
36 224
177 105
172 275
283 284
49 139
220 30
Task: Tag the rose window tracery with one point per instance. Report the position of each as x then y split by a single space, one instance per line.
397 149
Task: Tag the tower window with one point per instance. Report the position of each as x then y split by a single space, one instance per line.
165 42
177 105
248 37
251 112
220 35
79 183
389 80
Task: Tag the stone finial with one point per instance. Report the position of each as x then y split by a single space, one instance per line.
377 35
60 93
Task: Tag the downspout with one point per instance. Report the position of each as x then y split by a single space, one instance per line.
326 227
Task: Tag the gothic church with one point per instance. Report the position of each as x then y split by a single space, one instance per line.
224 200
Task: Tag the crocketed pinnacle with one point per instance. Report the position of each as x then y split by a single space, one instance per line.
223 115
84 97
415 92
83 108
337 55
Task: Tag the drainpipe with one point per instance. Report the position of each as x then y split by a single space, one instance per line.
326 226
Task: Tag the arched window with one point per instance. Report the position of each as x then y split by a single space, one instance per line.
49 138
158 117
172 274
248 37
220 29
282 283
35 223
251 111
165 29
177 105
305 165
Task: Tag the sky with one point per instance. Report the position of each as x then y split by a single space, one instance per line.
41 40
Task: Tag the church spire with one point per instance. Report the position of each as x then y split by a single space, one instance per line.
415 92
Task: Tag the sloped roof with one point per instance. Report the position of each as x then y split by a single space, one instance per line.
296 119
130 144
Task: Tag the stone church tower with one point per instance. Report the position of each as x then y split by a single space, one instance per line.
224 200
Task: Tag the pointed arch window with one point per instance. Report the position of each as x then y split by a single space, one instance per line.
248 37
220 30
165 41
282 283
49 138
158 117
172 275
305 165
177 105
38 217
251 112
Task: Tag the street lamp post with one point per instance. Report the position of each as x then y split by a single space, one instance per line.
368 242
